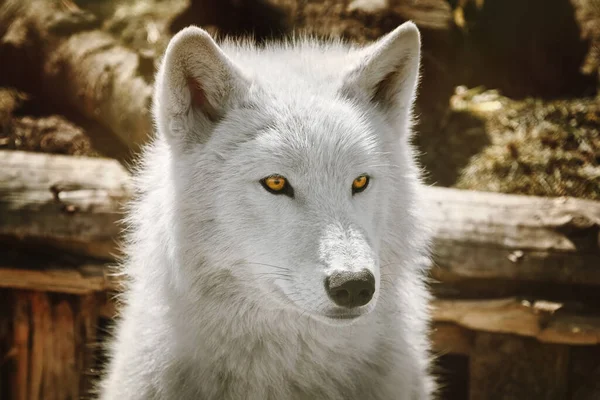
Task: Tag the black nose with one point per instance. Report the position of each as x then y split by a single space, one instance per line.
350 289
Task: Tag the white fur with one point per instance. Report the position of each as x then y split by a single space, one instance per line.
226 298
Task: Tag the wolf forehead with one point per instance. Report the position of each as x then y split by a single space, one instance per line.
310 133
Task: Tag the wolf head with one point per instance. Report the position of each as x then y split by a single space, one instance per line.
289 168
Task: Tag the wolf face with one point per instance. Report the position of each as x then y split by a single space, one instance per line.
286 176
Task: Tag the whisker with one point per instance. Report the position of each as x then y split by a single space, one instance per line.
267 265
278 274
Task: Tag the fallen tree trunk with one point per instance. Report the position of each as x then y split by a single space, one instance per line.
73 203
86 279
76 202
499 236
58 52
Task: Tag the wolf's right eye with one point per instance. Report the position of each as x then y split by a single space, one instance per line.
277 184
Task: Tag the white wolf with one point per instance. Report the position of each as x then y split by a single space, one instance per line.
276 247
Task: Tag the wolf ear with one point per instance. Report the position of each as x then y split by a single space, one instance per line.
387 72
195 86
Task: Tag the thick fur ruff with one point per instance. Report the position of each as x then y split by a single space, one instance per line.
225 295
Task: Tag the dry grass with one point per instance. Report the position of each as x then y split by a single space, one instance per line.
535 147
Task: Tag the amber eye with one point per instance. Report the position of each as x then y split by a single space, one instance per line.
277 184
360 184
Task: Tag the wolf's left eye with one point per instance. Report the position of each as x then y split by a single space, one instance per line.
277 184
360 183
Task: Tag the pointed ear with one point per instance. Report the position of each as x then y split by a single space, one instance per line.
387 72
195 87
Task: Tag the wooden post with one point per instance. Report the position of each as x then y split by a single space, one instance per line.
52 337
504 367
20 346
584 374
7 350
40 339
86 322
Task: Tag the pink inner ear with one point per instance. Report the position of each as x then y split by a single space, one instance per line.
200 100
198 95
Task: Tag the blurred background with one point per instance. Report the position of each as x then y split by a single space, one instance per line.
508 105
